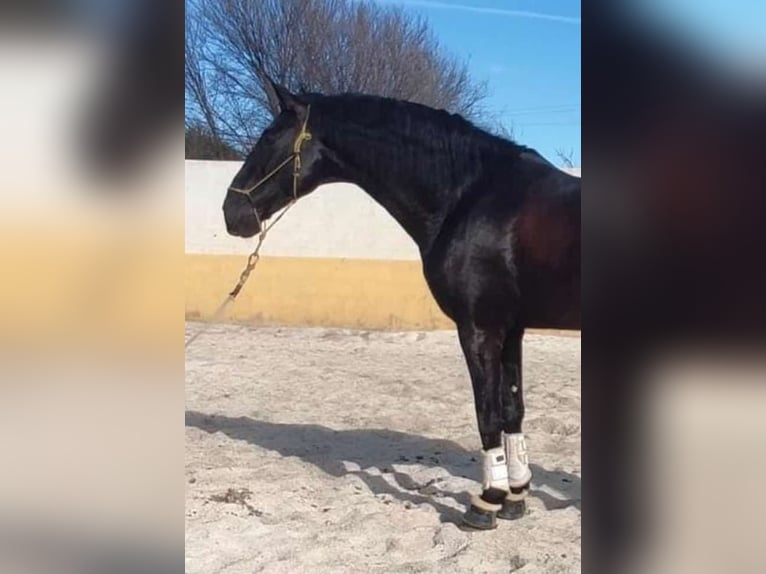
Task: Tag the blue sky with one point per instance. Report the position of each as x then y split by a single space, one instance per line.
529 52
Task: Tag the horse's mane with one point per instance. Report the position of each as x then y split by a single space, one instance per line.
412 128
414 120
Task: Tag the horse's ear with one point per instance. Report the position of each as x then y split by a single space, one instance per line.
289 101
281 99
272 97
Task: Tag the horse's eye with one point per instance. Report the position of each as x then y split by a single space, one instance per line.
269 138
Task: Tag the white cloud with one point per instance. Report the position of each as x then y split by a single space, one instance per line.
495 11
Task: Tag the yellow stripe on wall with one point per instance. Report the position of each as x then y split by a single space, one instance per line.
331 292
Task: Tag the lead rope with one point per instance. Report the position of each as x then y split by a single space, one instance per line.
255 256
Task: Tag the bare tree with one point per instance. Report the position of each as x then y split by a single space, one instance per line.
566 157
198 96
202 144
327 46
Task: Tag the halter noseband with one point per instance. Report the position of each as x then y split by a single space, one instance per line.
303 136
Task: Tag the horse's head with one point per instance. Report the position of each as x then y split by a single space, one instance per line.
270 177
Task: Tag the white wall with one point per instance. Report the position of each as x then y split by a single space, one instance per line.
337 220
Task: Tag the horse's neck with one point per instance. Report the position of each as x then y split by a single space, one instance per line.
411 192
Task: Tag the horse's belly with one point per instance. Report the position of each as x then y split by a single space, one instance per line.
552 304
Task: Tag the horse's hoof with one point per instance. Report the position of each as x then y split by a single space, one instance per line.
481 515
515 503
512 509
480 519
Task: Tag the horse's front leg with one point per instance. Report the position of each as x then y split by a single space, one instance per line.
519 475
483 349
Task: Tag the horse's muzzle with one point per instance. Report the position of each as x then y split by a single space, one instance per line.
241 220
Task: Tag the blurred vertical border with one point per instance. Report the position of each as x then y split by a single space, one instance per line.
91 295
674 125
91 308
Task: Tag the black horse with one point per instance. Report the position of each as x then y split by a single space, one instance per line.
498 228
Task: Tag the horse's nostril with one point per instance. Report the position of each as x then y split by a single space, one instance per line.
242 225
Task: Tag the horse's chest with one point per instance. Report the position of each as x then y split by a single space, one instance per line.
464 275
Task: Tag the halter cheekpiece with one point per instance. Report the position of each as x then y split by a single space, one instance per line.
303 136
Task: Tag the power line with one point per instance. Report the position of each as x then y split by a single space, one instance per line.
577 123
547 110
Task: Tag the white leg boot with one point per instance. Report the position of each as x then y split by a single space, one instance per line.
494 469
515 505
494 475
516 457
482 514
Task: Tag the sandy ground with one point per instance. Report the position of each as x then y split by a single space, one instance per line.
325 450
